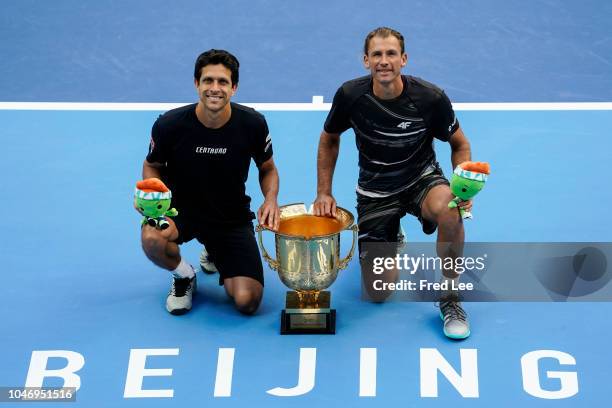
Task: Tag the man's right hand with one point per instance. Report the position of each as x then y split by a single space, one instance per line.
324 205
138 209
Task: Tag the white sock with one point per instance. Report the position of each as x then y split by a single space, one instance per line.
183 270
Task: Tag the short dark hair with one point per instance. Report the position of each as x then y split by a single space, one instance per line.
383 32
213 57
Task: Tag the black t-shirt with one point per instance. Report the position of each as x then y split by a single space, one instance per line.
206 169
394 137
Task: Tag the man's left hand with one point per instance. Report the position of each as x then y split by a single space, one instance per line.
268 215
465 205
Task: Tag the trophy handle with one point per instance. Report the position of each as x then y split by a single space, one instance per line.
344 262
272 262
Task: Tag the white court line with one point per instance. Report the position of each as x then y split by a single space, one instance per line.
318 105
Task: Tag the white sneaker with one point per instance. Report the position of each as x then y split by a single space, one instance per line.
179 299
207 266
456 325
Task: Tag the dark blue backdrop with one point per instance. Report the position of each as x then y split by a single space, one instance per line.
143 51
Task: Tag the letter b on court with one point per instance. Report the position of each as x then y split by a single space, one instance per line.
38 370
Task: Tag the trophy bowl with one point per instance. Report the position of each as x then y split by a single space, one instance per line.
307 261
308 247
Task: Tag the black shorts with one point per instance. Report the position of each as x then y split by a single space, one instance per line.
379 218
231 248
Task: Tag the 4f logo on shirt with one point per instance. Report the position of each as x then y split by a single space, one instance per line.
404 125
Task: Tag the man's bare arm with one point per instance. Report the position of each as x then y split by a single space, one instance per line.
327 155
460 148
268 179
460 152
269 214
150 170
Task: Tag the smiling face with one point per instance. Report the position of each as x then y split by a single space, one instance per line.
465 188
153 208
385 59
215 87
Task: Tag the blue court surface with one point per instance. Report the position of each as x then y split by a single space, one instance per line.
79 295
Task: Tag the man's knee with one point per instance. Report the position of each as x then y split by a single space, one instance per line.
153 242
247 301
374 285
449 221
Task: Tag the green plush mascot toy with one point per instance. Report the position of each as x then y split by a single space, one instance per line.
468 179
152 198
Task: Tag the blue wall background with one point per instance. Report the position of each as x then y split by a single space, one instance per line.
143 51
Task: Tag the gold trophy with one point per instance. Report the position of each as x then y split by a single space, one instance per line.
308 261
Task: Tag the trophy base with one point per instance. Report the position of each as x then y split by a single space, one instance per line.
308 323
308 314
